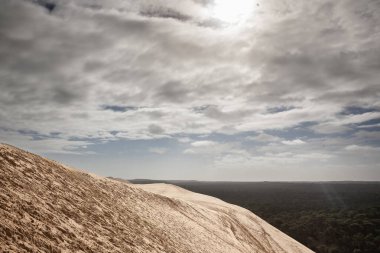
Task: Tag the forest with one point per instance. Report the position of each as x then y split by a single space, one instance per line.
327 217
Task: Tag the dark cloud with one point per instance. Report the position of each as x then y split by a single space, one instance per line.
165 13
155 129
153 11
279 109
64 95
200 109
119 108
154 115
34 135
174 92
355 110
48 5
370 123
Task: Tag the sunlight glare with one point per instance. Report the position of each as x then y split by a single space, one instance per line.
232 11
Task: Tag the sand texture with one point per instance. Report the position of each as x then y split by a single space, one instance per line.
49 207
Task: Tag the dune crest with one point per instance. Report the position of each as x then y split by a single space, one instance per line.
49 207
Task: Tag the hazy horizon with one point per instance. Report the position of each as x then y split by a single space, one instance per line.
221 181
208 90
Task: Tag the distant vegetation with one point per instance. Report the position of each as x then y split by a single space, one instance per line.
341 217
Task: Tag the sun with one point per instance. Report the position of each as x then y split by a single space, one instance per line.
232 11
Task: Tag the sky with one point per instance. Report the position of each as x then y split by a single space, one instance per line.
274 90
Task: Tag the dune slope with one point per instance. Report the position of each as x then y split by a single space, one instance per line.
49 207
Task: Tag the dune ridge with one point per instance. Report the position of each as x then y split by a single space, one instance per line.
49 207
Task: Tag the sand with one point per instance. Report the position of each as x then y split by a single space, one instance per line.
49 207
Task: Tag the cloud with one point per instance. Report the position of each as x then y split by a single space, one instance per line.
213 148
159 151
293 142
50 6
361 148
263 137
368 135
166 13
279 109
184 139
173 92
146 55
155 129
344 123
357 110
270 161
52 143
104 71
203 143
119 108
330 128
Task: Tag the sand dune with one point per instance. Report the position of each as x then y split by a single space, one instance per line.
48 207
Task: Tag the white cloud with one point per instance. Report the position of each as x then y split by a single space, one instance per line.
214 149
293 142
203 143
263 137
